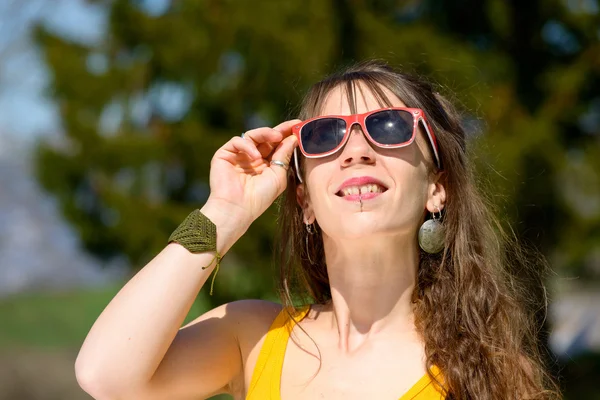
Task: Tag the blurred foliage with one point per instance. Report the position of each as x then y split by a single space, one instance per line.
144 110
583 371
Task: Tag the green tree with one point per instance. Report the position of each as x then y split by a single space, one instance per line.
182 83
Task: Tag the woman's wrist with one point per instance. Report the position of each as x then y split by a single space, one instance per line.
231 223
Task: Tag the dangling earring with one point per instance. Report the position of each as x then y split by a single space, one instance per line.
431 234
309 232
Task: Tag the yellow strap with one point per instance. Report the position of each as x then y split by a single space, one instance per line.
425 388
270 359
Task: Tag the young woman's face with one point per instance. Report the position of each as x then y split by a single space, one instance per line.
394 208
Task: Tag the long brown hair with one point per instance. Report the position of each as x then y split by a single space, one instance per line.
470 309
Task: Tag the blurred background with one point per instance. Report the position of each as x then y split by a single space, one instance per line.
111 110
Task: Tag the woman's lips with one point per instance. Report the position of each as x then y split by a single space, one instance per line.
367 187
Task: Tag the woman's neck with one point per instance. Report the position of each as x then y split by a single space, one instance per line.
372 282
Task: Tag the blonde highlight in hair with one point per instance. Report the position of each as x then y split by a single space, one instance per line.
469 306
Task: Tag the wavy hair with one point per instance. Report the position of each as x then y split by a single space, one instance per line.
470 309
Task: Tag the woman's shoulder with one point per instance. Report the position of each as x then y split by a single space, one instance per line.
253 312
252 319
246 320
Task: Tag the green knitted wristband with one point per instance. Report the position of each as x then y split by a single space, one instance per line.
198 234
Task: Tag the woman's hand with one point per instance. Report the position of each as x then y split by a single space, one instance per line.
241 177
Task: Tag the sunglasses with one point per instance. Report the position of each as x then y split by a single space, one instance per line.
388 128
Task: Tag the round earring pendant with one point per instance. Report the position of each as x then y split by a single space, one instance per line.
431 236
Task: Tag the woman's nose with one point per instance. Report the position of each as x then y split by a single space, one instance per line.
357 149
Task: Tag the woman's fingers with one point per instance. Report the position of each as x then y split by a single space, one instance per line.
286 126
267 138
283 153
265 149
263 135
264 139
271 135
239 145
261 145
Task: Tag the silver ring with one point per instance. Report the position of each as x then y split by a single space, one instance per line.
280 164
242 135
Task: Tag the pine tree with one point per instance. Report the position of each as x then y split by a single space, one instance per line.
144 112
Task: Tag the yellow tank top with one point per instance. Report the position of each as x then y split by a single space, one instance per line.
266 378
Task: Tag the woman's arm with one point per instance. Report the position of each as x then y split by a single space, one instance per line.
136 342
135 350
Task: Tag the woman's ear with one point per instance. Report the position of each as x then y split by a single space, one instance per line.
436 193
304 202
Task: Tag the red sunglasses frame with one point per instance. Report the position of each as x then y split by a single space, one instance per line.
418 117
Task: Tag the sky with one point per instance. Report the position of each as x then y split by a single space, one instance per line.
25 111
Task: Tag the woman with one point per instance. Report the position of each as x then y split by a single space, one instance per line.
386 319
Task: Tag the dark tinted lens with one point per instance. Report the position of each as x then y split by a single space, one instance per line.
322 135
391 126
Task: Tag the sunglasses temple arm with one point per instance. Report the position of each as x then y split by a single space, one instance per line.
296 164
432 142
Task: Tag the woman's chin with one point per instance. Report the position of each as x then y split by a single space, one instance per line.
357 228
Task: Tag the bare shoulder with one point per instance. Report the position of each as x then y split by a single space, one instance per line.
248 320
254 308
249 310
251 319
251 315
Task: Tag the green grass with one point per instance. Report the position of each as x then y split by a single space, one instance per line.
59 320
56 319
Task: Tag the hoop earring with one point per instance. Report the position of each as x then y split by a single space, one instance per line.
431 234
309 232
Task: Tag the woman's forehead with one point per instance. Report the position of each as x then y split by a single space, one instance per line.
337 101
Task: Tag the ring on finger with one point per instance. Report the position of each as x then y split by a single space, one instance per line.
243 135
280 164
